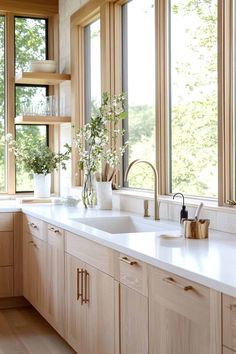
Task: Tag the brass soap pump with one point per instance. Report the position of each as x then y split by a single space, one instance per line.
184 211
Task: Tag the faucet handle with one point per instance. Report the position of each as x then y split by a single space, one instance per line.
145 205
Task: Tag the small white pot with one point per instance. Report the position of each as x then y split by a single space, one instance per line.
104 195
42 185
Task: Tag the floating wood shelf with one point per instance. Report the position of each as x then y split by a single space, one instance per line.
39 78
42 120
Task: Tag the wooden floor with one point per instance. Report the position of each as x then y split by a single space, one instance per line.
24 331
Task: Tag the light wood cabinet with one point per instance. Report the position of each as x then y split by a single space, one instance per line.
184 317
34 258
90 308
55 275
133 321
6 249
44 270
6 281
229 321
10 277
75 312
133 302
228 351
34 270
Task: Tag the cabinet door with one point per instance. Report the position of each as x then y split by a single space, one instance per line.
227 351
133 321
100 312
55 273
75 312
34 272
184 316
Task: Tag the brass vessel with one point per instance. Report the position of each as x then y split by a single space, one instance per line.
196 229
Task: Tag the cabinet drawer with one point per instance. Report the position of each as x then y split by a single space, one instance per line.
35 227
6 222
54 231
228 351
229 321
6 248
133 273
180 295
90 252
6 281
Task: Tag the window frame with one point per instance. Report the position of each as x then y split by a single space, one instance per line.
48 13
110 16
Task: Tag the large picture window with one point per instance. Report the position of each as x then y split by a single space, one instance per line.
30 44
92 64
193 97
138 81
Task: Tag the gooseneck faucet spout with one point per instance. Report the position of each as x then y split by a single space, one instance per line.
156 204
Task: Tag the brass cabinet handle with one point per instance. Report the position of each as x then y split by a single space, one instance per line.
82 285
30 241
171 281
34 244
126 260
54 230
232 307
32 225
79 278
85 298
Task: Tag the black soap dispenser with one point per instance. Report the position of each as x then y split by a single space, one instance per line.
183 212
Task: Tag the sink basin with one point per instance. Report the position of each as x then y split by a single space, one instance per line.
119 224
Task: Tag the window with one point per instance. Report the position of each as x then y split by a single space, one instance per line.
138 80
187 120
2 104
193 98
92 63
30 44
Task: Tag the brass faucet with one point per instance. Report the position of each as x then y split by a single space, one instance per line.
156 204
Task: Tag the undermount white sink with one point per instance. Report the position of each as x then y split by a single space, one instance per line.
119 224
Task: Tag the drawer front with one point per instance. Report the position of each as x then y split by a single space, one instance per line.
180 295
133 273
229 321
54 231
6 222
6 248
90 252
6 281
35 227
228 351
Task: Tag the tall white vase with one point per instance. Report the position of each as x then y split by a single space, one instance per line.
104 195
42 185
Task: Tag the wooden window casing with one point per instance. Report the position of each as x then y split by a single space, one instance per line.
45 10
111 68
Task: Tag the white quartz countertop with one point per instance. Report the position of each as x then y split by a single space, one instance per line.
211 262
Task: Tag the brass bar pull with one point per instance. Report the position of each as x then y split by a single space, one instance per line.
86 287
171 281
30 241
232 307
79 293
54 230
82 286
32 225
126 260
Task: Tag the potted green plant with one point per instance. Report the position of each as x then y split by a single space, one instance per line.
99 145
38 159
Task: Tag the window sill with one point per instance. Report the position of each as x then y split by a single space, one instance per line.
192 202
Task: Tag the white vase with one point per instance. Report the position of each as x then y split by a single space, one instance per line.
104 195
42 185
